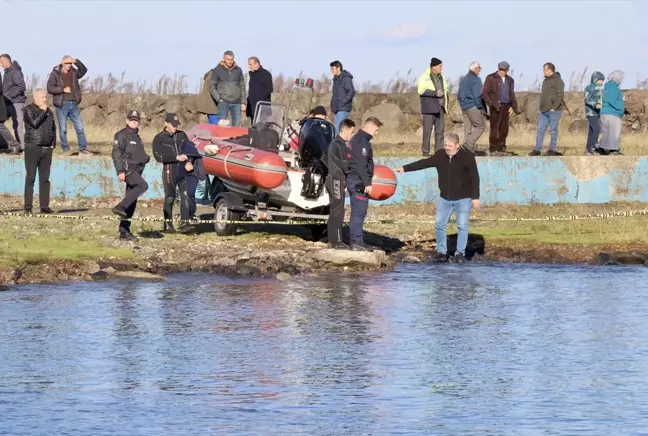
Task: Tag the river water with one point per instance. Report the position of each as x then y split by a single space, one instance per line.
443 350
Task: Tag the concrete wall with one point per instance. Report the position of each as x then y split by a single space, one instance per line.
519 180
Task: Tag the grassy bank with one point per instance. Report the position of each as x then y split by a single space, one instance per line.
43 243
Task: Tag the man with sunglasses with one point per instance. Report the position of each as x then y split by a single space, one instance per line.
499 96
63 84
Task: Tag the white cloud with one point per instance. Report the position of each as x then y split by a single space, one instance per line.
404 32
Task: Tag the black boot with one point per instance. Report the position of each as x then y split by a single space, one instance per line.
168 228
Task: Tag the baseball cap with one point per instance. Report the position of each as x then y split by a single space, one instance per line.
172 119
133 115
503 65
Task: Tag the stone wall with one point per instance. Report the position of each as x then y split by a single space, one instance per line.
399 112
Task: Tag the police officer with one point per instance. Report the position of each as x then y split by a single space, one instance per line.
167 150
361 169
130 158
338 167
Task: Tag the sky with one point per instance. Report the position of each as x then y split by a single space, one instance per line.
373 39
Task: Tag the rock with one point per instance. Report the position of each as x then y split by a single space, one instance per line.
283 276
249 271
4 288
347 257
622 258
99 275
389 113
412 259
136 275
16 274
289 269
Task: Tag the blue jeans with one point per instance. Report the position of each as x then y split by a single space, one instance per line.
225 109
359 206
70 109
338 118
213 119
549 119
443 213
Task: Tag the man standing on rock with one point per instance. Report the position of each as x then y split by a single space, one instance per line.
472 107
63 84
228 89
167 147
551 107
40 139
359 179
338 168
343 93
129 158
13 89
459 192
433 91
499 96
261 87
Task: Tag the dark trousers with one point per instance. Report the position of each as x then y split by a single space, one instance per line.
593 132
359 206
432 121
335 186
499 128
136 186
170 184
187 188
37 159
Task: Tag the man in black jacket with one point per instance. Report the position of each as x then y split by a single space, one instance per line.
13 88
361 170
40 139
167 150
129 158
260 88
338 167
7 140
459 191
343 93
63 84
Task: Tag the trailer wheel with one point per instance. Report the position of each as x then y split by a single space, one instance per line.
223 212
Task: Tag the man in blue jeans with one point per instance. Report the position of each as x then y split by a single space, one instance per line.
63 84
459 186
551 107
343 93
228 89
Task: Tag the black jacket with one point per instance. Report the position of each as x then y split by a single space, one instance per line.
40 128
13 84
458 175
55 84
4 116
166 146
338 157
261 89
128 151
361 164
343 92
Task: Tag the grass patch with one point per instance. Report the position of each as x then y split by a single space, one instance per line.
24 241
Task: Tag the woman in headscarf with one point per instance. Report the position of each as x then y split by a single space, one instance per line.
611 113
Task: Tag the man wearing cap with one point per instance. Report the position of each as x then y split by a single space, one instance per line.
433 91
499 96
167 149
129 158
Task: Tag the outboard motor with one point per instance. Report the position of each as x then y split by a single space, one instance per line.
314 139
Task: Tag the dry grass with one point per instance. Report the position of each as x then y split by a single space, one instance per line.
183 84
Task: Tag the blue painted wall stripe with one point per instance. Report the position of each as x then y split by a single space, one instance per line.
517 180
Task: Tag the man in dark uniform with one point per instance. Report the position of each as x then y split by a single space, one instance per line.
361 169
130 158
338 167
167 150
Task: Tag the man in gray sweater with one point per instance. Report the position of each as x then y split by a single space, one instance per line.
228 89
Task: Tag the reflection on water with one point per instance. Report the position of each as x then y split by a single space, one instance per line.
469 349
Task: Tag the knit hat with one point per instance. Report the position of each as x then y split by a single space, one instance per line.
435 61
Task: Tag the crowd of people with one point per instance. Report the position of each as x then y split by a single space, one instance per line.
226 95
